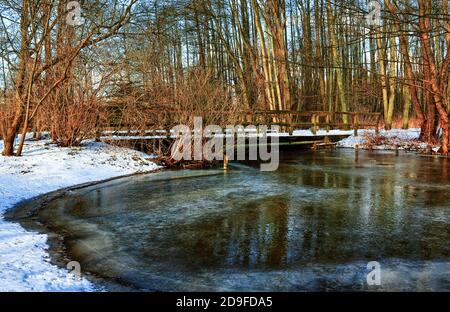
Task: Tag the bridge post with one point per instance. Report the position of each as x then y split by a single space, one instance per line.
355 124
328 121
314 123
225 162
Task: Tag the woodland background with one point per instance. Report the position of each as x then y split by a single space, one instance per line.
140 60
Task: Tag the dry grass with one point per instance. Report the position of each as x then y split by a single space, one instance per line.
161 105
373 141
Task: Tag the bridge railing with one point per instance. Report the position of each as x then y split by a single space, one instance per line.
286 119
291 120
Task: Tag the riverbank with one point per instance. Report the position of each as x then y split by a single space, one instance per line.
44 167
385 140
24 261
191 230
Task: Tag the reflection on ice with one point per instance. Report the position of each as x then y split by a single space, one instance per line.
312 225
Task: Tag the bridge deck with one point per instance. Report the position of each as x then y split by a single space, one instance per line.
297 128
288 121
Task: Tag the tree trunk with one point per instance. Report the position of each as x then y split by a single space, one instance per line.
404 48
392 79
383 76
14 123
336 61
406 107
8 143
437 92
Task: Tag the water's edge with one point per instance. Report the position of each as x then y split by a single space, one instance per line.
403 269
26 210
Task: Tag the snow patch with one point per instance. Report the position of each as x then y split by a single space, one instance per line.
385 140
45 167
123 135
322 132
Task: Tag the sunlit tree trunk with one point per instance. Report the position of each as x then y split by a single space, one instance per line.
383 75
336 61
406 106
392 83
13 126
440 100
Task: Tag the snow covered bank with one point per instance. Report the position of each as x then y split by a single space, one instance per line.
322 132
134 135
386 139
24 261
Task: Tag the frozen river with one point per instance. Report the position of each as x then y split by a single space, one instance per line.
312 225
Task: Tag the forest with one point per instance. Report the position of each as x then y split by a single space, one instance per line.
206 146
71 68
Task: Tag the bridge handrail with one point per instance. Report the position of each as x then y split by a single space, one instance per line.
287 118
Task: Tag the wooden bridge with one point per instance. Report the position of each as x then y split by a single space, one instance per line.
315 120
154 136
287 120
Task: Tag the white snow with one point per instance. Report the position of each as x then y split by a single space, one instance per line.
391 139
44 167
122 135
322 132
